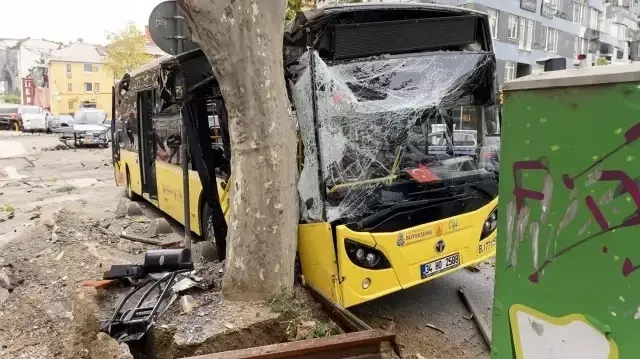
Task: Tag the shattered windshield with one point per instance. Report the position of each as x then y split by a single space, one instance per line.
383 123
90 117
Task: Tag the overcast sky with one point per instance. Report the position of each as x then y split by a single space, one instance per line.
68 20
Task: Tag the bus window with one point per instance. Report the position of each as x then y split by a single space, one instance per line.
130 121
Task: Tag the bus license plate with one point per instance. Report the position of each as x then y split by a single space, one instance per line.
440 265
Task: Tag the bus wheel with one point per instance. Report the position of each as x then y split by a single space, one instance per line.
129 192
207 228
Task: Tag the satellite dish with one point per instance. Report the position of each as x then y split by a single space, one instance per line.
164 30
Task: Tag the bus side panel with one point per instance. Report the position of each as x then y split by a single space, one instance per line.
170 193
195 191
318 260
119 172
169 179
130 159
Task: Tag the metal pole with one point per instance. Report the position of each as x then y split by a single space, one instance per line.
184 150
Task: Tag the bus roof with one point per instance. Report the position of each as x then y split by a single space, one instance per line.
586 76
149 65
304 19
310 17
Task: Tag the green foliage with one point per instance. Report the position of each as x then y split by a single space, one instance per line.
293 6
601 61
11 98
126 50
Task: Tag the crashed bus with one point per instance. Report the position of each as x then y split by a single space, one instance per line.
394 106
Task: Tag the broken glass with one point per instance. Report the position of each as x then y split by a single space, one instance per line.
379 120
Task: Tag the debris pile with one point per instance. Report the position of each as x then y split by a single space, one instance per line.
58 147
8 282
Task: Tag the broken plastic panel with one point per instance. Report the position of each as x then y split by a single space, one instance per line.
381 120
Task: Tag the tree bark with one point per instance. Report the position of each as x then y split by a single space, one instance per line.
242 40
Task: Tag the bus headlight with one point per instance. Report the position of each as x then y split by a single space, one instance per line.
365 256
490 224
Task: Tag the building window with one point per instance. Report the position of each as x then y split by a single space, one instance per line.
513 27
594 19
525 34
580 14
70 87
88 87
97 87
553 4
72 104
68 71
88 68
493 22
550 38
509 71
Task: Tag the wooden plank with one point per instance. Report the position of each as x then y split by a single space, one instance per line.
337 346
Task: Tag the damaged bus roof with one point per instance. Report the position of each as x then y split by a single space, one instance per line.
296 29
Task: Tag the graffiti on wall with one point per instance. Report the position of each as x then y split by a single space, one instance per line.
519 214
568 265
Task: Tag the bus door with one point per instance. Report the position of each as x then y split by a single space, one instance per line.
147 133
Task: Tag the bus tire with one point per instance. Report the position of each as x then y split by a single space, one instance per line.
206 221
128 191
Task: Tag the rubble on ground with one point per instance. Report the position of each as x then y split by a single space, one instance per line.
43 268
159 226
58 147
127 208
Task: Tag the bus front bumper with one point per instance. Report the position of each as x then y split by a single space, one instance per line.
415 255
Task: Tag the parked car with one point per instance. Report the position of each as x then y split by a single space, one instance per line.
87 128
59 123
32 118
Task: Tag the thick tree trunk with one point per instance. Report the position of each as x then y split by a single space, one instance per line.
243 41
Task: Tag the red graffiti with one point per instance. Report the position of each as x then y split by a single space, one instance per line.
625 185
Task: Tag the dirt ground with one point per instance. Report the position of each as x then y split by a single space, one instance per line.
58 229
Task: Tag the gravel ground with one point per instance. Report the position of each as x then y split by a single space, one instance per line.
408 314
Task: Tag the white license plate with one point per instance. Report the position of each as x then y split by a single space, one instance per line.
439 266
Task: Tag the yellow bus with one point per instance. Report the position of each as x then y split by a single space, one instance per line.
396 186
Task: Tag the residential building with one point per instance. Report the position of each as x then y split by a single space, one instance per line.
78 75
528 32
18 57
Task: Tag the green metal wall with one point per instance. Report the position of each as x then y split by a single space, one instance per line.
569 244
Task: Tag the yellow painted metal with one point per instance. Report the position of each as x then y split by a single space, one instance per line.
324 261
169 183
461 234
318 259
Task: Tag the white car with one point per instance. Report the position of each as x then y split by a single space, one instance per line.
33 118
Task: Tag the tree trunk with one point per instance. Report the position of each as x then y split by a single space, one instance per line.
243 41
